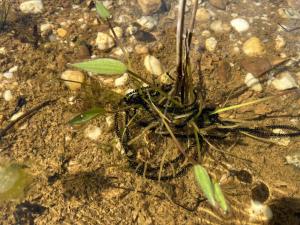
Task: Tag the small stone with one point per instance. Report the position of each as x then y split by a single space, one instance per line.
45 28
219 4
7 95
110 121
16 116
260 212
72 75
165 79
253 83
294 159
202 15
141 49
118 31
254 47
122 81
104 41
284 81
13 69
219 27
147 22
211 44
281 141
61 32
32 6
279 42
239 24
93 132
3 51
150 6
153 65
8 75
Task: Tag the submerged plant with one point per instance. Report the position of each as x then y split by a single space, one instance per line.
4 10
164 128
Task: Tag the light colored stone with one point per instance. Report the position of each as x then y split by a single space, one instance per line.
283 141
118 31
61 32
13 69
73 75
7 95
279 42
165 79
3 51
149 6
104 41
219 27
293 159
254 47
153 65
211 44
46 27
284 81
203 15
253 83
110 121
8 75
147 22
32 6
260 212
93 132
239 24
16 116
122 81
141 49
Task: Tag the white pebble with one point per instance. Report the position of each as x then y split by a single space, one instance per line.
147 22
7 95
16 116
153 65
3 51
219 27
13 69
252 82
239 24
279 42
104 41
211 44
46 27
122 81
93 132
260 212
284 81
293 159
32 6
8 75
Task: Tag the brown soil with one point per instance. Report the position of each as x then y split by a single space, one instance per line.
80 181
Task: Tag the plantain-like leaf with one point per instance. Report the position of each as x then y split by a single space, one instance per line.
102 11
87 116
103 66
219 196
205 183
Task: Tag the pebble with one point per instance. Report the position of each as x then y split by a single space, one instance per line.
260 212
219 4
122 81
46 27
16 116
203 15
8 75
104 41
165 79
118 31
110 121
239 24
61 32
93 132
153 65
294 159
7 95
73 76
253 83
3 51
13 69
279 42
149 6
141 49
281 141
211 44
219 27
147 22
284 81
254 47
32 6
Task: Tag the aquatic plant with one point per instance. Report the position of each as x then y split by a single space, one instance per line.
164 128
13 181
4 10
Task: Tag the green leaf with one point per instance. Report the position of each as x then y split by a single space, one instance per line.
87 116
219 196
205 183
102 11
103 66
